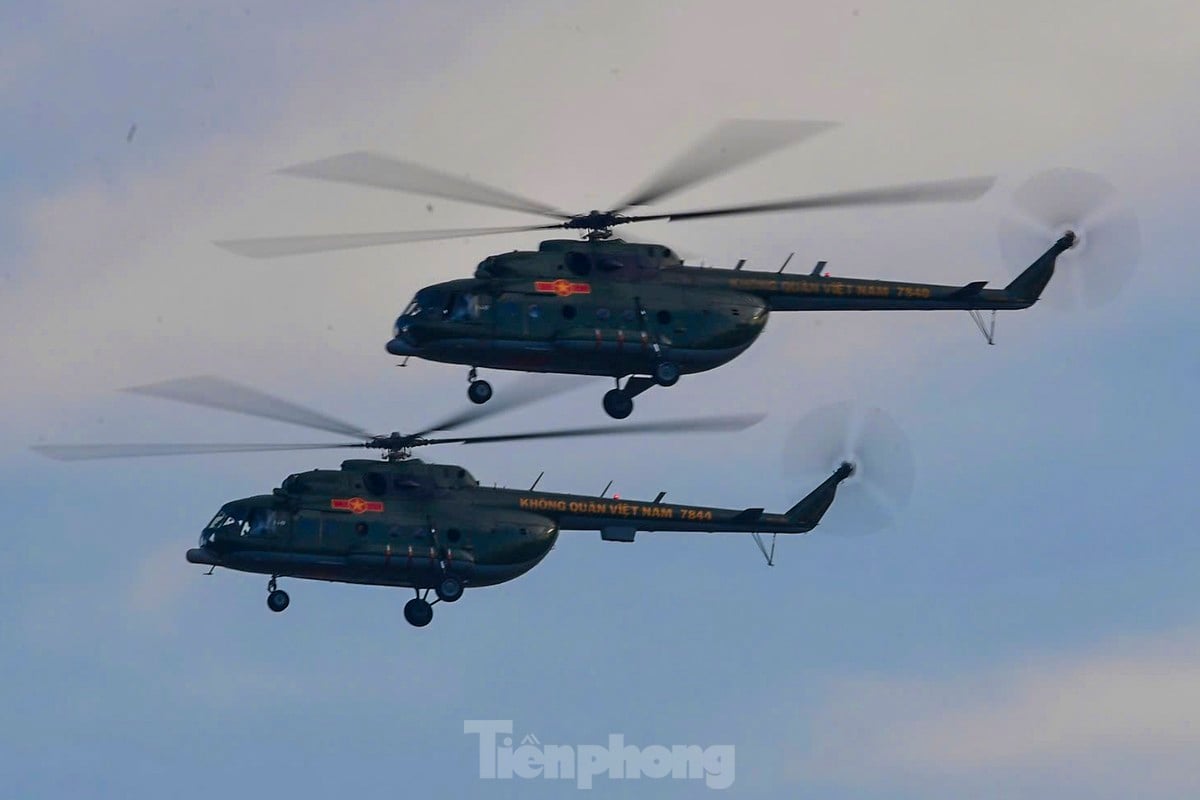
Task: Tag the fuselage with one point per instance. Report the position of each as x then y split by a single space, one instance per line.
615 308
390 524
409 523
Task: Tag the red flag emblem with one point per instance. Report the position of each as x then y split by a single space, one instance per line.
562 288
356 505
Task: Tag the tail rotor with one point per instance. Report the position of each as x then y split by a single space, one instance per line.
1107 245
871 440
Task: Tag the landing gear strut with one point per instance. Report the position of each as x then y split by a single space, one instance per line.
479 391
277 599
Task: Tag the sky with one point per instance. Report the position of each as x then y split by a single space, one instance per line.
1027 627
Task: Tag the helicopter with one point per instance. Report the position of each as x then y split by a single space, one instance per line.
403 522
623 309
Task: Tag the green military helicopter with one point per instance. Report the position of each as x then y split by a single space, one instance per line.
607 307
400 521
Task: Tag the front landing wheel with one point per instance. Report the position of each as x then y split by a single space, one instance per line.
479 392
666 373
449 590
418 612
618 404
278 600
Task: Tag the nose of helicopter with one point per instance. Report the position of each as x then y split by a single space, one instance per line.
403 342
203 555
401 347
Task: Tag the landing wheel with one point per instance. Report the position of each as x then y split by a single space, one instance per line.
418 612
617 404
449 590
666 373
278 600
479 392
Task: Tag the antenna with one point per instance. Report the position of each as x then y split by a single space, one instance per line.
535 481
607 486
785 263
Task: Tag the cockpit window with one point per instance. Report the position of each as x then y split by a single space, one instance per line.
427 301
467 306
455 306
236 522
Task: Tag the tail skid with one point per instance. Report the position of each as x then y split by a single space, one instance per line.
808 511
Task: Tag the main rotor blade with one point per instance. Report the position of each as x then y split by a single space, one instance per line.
710 424
731 144
528 390
279 246
952 191
212 392
82 452
384 172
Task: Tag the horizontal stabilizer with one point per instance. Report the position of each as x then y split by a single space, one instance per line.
749 515
970 290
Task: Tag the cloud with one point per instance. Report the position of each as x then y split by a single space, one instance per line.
1122 718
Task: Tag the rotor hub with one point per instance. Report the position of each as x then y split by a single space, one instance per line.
595 221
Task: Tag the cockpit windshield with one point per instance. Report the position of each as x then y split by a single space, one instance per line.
454 306
233 522
427 303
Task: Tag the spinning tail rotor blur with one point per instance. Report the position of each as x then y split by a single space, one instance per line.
868 438
1108 238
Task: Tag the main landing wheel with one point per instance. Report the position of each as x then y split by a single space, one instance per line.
418 612
449 590
278 600
479 392
666 373
618 404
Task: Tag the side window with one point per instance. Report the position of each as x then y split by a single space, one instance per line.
478 305
264 522
579 263
375 484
